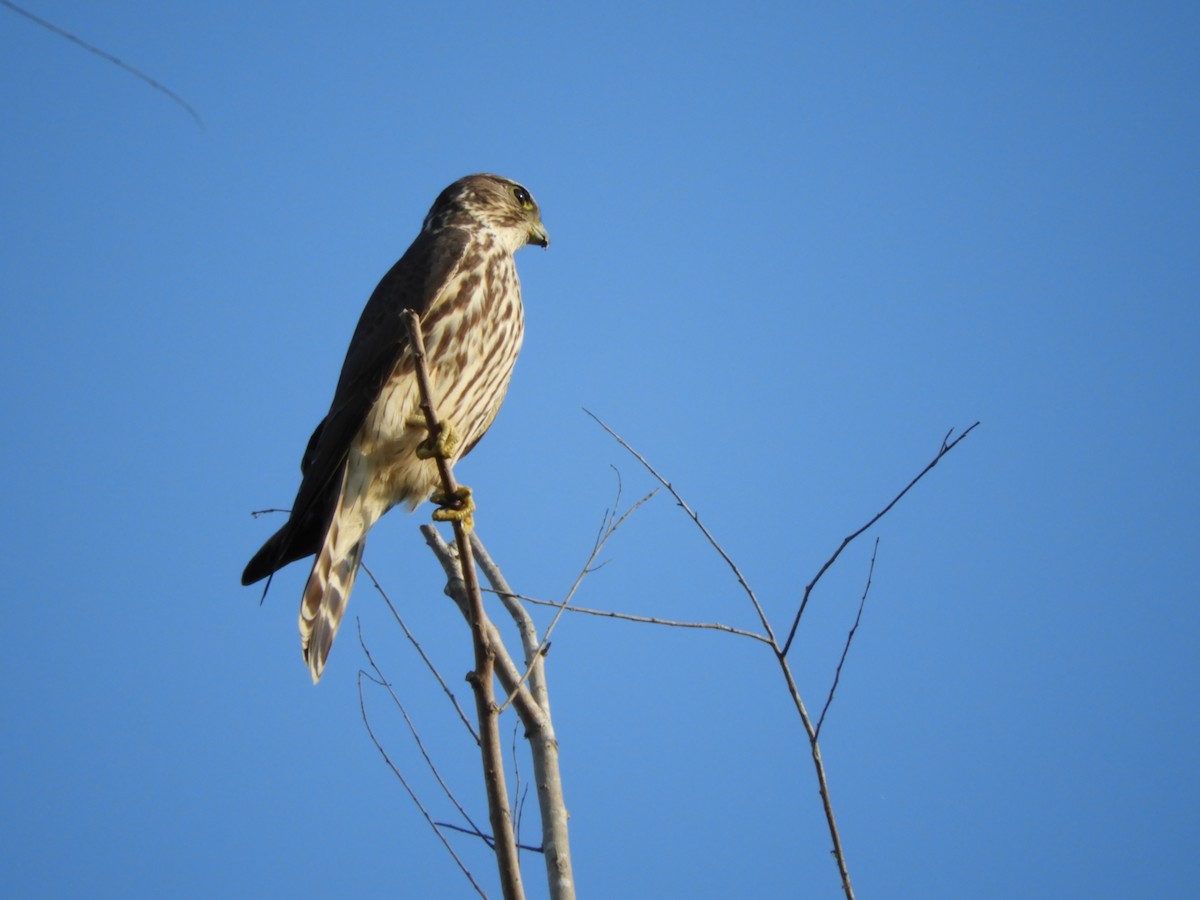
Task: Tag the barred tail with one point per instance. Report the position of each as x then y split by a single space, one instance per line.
325 597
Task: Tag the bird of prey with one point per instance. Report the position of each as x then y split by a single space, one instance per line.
372 449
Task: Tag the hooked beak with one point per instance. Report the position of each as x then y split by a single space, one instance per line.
539 235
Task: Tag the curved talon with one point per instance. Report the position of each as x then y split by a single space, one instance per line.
445 445
457 507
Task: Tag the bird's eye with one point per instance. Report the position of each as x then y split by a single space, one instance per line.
522 197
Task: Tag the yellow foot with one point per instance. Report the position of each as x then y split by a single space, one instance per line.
443 447
458 507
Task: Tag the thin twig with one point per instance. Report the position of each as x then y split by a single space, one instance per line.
412 639
583 573
408 788
837 675
519 790
942 451
793 690
762 616
486 838
384 683
649 620
103 54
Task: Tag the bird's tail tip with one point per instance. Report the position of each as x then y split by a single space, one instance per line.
326 596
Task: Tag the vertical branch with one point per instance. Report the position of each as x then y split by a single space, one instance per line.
482 678
556 846
839 854
532 704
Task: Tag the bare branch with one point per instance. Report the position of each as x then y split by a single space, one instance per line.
481 678
539 729
486 838
837 675
839 855
506 670
650 620
945 448
62 32
412 639
384 683
531 645
762 616
605 534
408 788
793 690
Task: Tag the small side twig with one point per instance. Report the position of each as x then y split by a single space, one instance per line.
408 788
486 838
412 639
379 679
649 620
606 532
837 675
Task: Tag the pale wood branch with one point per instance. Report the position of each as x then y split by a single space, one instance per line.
535 716
539 730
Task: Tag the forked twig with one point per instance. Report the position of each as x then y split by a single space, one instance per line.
532 704
762 616
781 652
486 838
384 683
412 639
837 675
607 531
408 788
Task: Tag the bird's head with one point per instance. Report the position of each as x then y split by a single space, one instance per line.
492 202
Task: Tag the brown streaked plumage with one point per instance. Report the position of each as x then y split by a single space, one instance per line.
460 276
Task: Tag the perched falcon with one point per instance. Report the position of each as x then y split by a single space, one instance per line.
372 450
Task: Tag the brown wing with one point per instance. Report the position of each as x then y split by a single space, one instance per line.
379 341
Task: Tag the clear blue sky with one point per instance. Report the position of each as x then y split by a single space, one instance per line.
794 244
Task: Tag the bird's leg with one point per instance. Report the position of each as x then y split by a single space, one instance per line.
443 446
456 507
